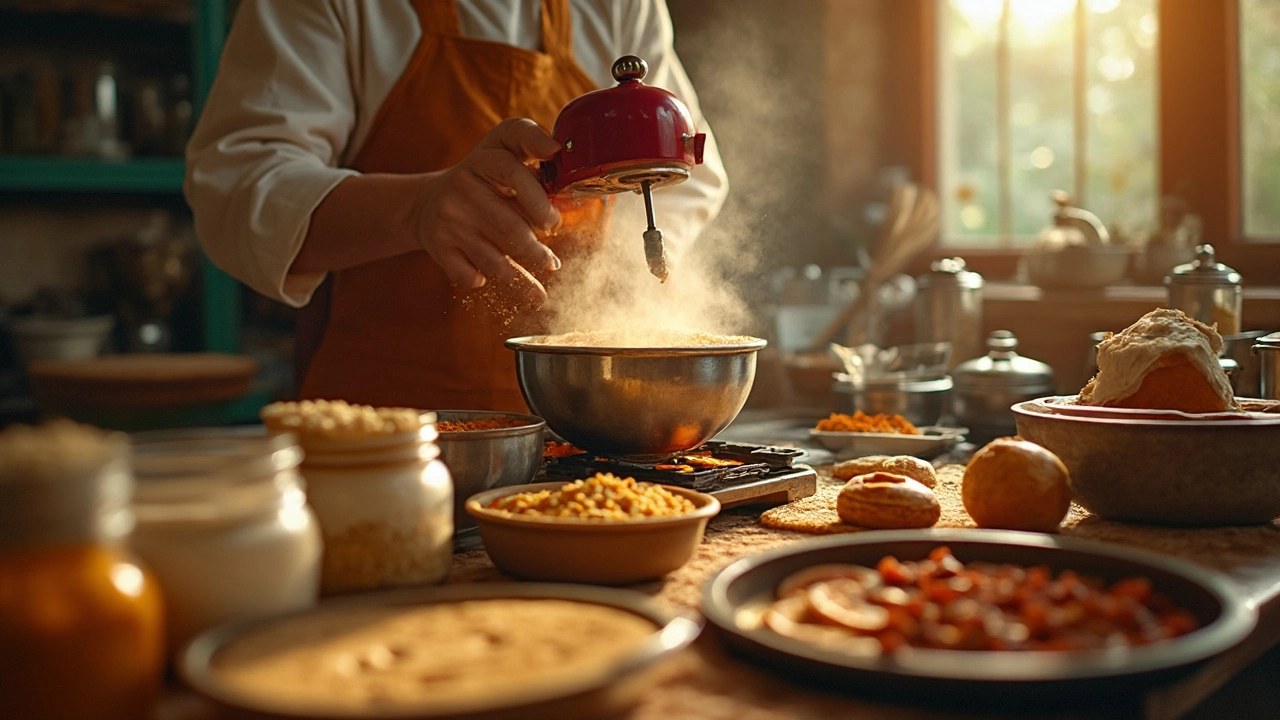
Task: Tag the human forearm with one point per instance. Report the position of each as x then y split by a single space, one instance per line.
364 218
475 219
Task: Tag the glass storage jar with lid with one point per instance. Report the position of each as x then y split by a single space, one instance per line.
1208 291
382 495
948 308
223 523
81 622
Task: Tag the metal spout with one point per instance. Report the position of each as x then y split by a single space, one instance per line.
1095 232
654 252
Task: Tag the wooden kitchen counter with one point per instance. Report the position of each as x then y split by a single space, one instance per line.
712 685
707 684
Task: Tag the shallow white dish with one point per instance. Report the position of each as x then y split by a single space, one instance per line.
930 443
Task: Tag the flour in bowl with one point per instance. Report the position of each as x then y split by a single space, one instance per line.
643 338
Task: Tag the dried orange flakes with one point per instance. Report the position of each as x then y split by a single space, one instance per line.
862 422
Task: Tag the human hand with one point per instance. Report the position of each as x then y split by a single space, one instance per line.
478 218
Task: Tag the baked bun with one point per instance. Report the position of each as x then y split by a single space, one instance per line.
912 467
887 501
1165 361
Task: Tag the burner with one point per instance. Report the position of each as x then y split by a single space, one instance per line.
735 473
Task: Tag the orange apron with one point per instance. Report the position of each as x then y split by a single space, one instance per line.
398 334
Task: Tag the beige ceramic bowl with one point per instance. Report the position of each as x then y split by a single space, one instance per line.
1159 467
596 551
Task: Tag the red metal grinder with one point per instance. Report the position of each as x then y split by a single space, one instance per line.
630 137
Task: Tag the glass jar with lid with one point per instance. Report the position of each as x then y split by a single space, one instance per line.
222 521
948 308
81 621
1208 291
382 495
987 387
1267 349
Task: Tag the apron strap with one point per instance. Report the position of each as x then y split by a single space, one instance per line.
557 29
438 17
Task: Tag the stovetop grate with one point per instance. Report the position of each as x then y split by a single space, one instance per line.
758 461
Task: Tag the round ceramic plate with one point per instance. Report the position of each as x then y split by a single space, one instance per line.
603 690
735 598
930 443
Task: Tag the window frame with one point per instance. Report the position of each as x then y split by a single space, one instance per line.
1198 126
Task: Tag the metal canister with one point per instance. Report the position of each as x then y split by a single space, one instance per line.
1208 291
948 308
987 387
1267 349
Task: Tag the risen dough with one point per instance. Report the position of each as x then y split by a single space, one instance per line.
1165 361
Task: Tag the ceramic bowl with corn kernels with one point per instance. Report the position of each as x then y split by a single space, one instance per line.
603 529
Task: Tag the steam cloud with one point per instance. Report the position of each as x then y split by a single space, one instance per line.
611 288
758 75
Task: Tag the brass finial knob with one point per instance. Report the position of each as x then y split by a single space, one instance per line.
630 67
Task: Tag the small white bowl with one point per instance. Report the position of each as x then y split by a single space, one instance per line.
41 338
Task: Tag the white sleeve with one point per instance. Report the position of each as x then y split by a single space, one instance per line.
683 210
265 150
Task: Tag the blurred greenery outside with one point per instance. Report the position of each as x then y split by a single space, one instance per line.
1120 132
1260 116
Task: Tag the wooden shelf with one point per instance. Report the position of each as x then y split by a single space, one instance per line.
62 174
169 11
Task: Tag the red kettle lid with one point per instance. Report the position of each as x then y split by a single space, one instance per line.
617 138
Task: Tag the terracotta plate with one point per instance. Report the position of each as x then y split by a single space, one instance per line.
1252 410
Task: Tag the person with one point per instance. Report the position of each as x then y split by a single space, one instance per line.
371 163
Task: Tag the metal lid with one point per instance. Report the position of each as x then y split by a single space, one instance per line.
844 383
1268 341
1205 269
1002 368
950 272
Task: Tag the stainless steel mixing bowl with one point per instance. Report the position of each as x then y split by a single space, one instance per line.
636 403
482 460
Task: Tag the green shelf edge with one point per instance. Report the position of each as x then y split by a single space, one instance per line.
53 173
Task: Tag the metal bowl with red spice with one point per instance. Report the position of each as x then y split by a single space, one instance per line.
485 450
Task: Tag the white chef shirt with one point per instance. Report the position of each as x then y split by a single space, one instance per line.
302 80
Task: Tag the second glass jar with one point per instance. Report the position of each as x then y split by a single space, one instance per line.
385 505
222 521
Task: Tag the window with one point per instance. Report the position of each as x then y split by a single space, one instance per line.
1260 116
1037 95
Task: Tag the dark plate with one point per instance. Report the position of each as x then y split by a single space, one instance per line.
732 599
601 693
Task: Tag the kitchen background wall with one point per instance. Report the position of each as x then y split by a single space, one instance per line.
818 106
800 120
